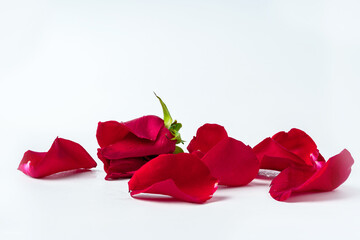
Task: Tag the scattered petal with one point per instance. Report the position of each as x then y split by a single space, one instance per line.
286 149
182 176
207 136
297 142
63 155
327 178
232 162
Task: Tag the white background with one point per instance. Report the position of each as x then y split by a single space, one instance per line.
255 67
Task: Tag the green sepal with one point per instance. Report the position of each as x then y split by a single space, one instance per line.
178 150
174 127
167 117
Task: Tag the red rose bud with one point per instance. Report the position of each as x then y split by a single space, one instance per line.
126 146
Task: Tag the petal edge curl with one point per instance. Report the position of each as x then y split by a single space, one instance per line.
182 176
327 178
63 155
232 162
207 136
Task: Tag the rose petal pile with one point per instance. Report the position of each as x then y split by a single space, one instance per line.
213 158
303 168
145 150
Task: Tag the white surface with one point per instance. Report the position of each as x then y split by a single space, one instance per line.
256 67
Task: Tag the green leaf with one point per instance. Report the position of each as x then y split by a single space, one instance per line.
167 117
178 150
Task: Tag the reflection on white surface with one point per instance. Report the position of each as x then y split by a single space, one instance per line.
267 174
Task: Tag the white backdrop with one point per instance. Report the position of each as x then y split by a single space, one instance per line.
255 67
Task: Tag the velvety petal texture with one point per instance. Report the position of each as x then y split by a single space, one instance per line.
327 178
182 176
207 136
232 162
303 168
285 149
63 155
132 146
229 160
146 127
126 146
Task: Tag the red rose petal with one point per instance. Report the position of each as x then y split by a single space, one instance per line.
206 137
327 178
123 168
110 132
182 176
131 146
299 143
273 156
283 184
146 127
232 162
63 155
285 149
104 160
333 173
198 154
126 146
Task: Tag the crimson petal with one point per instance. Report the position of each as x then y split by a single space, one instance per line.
333 173
232 162
110 132
123 168
285 149
63 155
327 178
299 143
284 184
146 127
182 176
206 137
131 146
